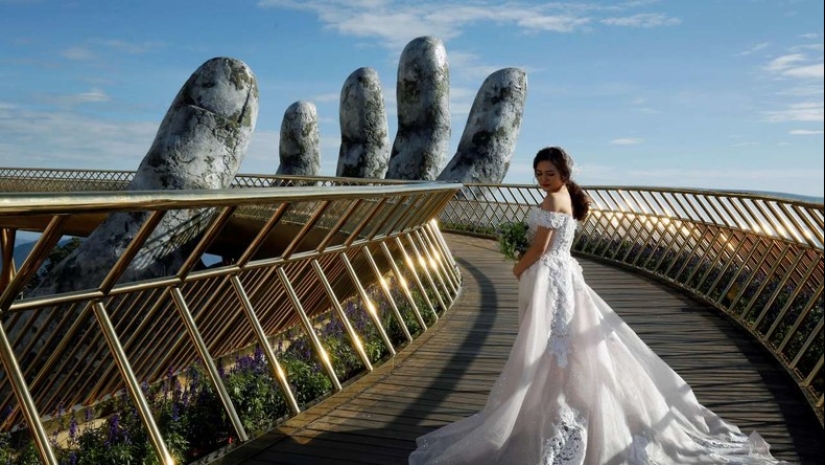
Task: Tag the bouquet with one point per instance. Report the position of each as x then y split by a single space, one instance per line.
512 239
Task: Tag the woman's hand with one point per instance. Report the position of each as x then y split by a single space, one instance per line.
517 272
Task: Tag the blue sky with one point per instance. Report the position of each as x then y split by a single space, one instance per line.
721 94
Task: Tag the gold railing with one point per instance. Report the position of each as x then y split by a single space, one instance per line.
757 258
290 256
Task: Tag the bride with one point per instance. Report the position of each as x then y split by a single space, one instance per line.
580 387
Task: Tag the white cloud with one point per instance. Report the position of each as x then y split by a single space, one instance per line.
78 54
6 109
561 23
262 155
395 23
68 100
642 20
812 71
749 143
804 132
626 141
810 35
754 49
781 64
461 101
809 47
803 91
326 98
792 66
67 139
805 111
128 47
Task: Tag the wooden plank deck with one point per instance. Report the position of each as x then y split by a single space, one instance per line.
446 374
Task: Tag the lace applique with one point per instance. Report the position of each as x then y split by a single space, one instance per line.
564 226
559 338
568 445
560 300
548 219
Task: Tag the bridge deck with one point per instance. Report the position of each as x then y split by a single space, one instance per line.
446 374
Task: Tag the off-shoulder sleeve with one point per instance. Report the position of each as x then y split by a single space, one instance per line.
547 219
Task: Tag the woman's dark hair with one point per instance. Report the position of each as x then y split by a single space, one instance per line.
564 164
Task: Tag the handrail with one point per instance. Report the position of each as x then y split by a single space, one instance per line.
288 256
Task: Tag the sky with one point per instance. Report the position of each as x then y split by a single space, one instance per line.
719 94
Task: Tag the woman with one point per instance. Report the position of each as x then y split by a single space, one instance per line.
580 387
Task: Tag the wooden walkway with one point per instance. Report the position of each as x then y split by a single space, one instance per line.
446 374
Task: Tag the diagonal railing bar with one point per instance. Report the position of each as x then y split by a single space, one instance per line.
309 329
404 285
209 363
357 344
27 404
132 383
387 294
370 309
428 262
275 366
433 248
411 267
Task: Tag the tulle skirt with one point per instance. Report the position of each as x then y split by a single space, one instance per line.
580 387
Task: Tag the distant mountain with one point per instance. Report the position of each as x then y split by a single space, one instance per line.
784 195
23 250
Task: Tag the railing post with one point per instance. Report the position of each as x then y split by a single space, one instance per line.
27 405
209 363
387 294
264 342
132 383
372 311
404 286
313 338
353 336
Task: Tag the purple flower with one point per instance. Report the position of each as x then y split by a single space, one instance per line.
73 429
114 427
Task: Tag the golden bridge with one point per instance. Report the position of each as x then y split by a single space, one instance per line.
334 320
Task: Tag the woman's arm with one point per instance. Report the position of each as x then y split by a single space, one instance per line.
534 252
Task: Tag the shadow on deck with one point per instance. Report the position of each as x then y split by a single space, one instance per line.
447 373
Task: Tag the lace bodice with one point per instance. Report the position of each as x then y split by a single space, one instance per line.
563 224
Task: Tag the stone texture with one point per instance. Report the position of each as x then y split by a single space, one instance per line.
365 145
200 145
492 129
300 145
423 100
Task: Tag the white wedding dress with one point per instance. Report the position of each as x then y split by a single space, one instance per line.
580 387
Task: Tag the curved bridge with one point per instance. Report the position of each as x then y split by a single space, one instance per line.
350 292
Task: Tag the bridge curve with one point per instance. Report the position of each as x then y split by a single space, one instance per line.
753 260
446 374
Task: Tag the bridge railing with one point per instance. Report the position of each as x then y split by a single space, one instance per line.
287 258
757 258
75 180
